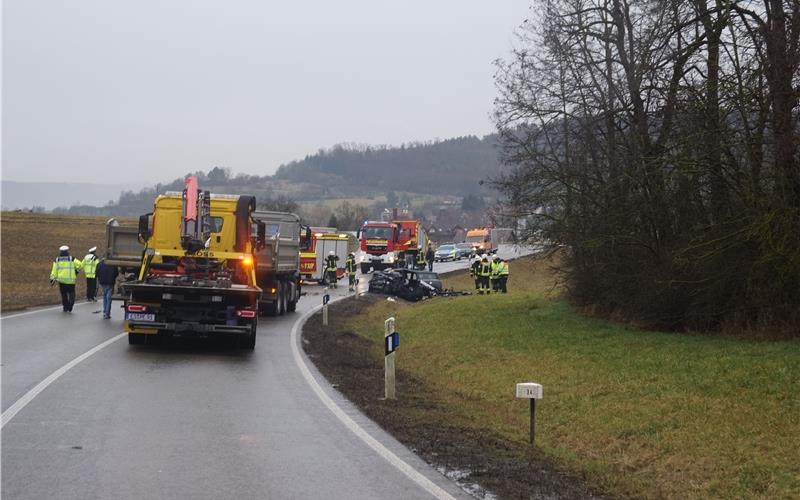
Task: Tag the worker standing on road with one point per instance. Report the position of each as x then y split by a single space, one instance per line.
107 277
503 273
484 272
473 272
65 271
89 270
330 269
350 268
430 256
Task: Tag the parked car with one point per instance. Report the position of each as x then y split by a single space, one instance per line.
445 252
464 251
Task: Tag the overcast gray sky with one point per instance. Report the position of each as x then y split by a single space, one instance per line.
112 91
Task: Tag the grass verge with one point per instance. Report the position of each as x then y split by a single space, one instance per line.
638 413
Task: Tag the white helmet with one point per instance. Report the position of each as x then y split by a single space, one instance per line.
63 248
331 253
93 250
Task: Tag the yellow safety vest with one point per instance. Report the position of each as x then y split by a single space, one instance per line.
90 265
503 271
65 270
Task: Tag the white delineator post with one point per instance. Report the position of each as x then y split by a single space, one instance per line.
529 390
325 299
389 336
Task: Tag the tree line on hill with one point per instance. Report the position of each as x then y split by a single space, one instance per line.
441 167
658 143
447 167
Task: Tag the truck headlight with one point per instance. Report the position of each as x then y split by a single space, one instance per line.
390 258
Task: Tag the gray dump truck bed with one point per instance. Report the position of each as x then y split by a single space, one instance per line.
278 262
281 253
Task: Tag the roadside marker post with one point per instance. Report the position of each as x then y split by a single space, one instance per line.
529 390
325 299
391 341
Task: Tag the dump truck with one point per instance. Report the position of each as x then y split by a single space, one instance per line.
278 262
124 249
197 274
389 244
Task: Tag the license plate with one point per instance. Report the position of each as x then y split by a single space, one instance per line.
140 316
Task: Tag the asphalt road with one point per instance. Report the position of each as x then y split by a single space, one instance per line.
188 420
85 415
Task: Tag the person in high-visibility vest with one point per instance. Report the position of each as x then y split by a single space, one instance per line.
350 268
89 269
484 271
503 273
495 274
330 269
65 272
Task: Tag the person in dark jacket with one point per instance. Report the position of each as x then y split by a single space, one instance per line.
107 277
330 269
350 269
473 272
429 257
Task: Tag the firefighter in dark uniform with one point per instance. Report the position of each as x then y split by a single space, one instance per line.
484 272
350 268
330 269
420 264
473 272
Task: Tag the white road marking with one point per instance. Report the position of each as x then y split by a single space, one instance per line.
373 443
9 316
28 397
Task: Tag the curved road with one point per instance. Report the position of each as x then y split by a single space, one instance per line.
189 420
194 419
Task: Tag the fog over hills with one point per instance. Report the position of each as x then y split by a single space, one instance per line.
49 195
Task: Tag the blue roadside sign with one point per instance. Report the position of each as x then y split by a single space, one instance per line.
392 342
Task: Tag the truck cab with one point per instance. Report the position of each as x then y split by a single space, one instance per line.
197 273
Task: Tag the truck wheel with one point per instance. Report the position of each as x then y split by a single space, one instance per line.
136 338
249 341
291 304
282 300
364 268
274 308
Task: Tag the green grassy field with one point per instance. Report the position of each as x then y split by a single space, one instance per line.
640 414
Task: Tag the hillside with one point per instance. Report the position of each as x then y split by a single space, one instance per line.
453 166
435 169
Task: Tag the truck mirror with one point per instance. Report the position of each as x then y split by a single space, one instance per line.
261 240
144 228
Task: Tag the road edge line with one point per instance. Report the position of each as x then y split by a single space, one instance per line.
28 397
351 424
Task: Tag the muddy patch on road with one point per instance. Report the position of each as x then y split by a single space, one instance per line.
484 465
